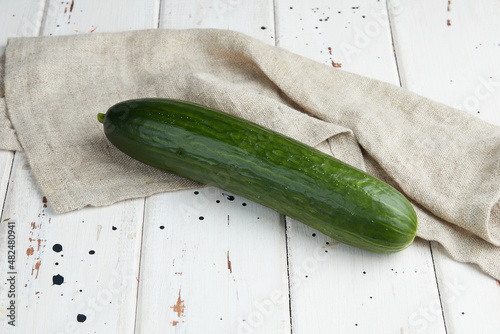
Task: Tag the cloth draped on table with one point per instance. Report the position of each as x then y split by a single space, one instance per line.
445 161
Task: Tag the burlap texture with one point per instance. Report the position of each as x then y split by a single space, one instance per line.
445 161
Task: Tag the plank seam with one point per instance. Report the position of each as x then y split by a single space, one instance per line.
43 22
276 42
139 265
7 186
160 8
393 41
438 288
288 275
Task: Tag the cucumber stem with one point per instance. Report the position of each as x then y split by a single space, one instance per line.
100 117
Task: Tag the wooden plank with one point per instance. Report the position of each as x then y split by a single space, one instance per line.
254 18
470 298
76 272
70 264
350 289
353 275
17 18
353 37
212 261
20 18
452 58
335 287
73 17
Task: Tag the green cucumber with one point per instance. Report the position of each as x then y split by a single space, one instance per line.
241 157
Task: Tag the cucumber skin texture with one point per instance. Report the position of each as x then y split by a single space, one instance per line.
248 160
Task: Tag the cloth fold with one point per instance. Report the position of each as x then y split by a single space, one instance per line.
445 161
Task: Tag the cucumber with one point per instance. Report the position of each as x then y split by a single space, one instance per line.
246 159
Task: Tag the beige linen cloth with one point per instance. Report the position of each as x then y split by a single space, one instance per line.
445 161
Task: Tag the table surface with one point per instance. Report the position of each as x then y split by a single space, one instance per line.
153 266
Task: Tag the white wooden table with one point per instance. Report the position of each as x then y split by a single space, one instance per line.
155 266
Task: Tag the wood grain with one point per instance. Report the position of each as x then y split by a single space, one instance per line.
351 290
19 18
451 58
91 284
210 259
206 261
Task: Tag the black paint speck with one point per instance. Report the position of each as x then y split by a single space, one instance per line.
57 279
91 252
81 318
57 248
57 263
162 227
81 290
364 272
463 312
196 192
201 218
291 7
263 28
327 243
244 204
217 201
113 228
229 197
314 234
